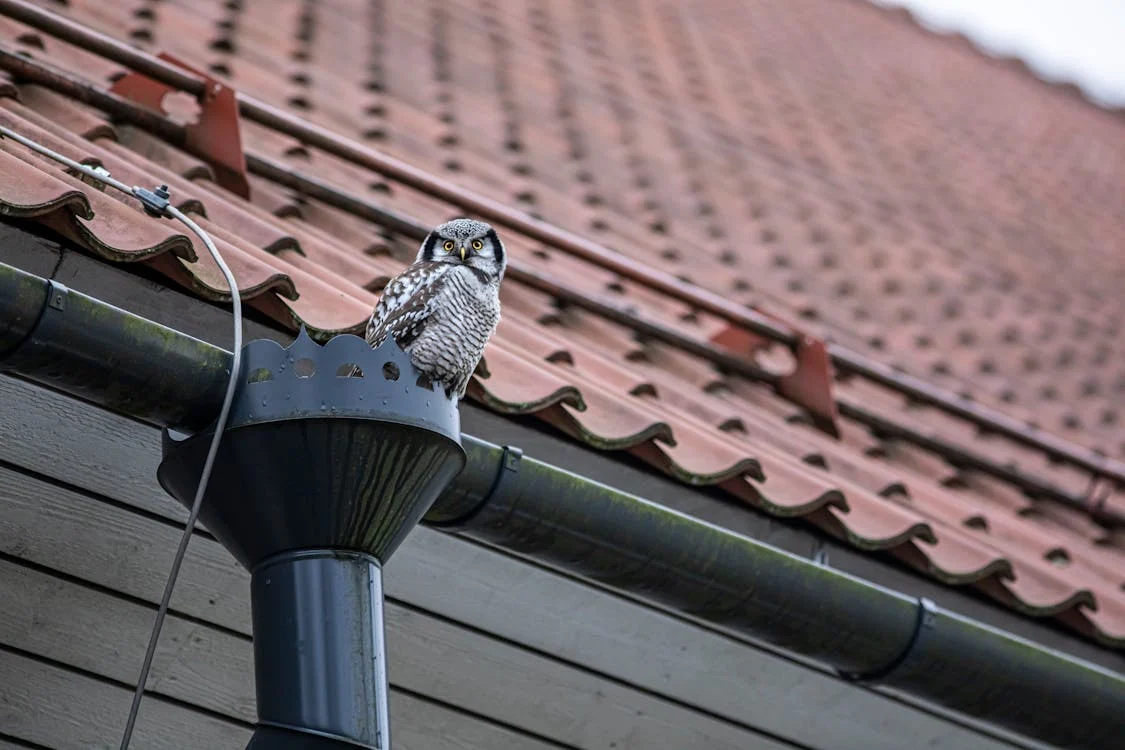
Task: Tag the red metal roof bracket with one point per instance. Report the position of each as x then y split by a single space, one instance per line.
809 385
215 135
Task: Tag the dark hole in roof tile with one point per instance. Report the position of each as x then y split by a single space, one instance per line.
716 232
220 69
377 109
976 522
448 140
1049 393
1058 557
300 102
299 78
1108 417
300 151
31 39
522 168
795 285
923 341
615 286
670 253
1072 421
741 285
376 86
646 390
380 186
733 424
592 199
815 459
223 44
452 165
768 236
987 366
657 226
541 254
561 357
145 13
141 35
941 367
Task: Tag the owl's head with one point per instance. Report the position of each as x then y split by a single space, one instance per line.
466 241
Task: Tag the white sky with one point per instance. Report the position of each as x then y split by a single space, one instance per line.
1082 41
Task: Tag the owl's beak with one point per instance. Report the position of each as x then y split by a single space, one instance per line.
463 251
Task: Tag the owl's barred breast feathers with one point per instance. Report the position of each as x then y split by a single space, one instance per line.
443 309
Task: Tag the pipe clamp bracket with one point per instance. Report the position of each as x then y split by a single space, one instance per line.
927 612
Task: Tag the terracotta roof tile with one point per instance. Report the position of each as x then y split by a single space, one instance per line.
914 202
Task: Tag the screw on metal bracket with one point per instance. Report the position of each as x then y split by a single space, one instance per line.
512 456
155 202
56 296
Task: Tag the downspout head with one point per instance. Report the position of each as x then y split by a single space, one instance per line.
331 457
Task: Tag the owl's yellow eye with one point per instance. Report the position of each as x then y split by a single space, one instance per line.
448 246
477 244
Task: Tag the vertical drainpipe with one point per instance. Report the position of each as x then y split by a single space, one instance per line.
319 478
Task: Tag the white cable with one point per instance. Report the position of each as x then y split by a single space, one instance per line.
165 208
204 478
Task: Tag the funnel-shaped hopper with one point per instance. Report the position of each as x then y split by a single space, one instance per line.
314 459
330 457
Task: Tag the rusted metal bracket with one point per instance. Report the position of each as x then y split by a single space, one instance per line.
809 385
216 135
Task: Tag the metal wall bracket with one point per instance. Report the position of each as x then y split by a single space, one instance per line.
216 135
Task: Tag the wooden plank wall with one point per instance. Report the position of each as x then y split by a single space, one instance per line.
485 651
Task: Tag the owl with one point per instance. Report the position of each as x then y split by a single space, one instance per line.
444 308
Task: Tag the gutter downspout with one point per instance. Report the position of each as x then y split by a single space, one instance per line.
866 632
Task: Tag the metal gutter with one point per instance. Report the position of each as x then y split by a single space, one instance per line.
309 133
100 353
865 632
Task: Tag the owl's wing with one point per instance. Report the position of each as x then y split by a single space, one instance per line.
407 304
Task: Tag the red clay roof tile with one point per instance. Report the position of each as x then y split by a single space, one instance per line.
912 202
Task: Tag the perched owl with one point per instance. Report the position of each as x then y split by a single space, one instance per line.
443 309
